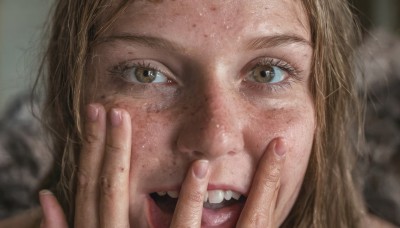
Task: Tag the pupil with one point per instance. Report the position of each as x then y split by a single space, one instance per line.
146 73
264 74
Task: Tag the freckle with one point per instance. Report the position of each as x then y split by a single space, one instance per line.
103 97
205 35
194 25
130 53
121 169
213 8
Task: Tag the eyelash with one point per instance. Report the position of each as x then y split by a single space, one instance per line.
290 69
121 69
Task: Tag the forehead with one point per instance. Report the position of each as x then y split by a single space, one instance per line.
219 21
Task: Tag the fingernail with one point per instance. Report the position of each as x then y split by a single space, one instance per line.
92 113
45 192
200 168
279 147
116 117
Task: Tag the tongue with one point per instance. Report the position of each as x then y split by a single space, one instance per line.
224 217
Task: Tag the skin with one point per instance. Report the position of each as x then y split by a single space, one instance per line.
209 118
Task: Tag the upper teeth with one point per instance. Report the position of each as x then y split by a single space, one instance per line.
211 196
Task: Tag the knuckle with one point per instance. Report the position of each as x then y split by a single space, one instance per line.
85 182
272 177
259 219
91 138
195 197
108 187
110 148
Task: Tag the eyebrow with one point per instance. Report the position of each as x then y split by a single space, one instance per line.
161 43
276 40
148 41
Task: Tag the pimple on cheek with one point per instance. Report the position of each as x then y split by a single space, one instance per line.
213 8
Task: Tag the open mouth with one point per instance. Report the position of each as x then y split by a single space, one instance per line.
221 208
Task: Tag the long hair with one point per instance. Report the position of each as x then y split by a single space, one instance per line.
328 198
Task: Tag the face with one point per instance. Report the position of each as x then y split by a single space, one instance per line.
214 80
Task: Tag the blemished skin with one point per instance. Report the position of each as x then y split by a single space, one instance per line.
209 100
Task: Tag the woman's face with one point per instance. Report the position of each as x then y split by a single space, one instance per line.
214 80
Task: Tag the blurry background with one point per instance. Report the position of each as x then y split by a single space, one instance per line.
384 14
21 23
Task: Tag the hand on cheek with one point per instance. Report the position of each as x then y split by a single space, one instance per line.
102 195
260 204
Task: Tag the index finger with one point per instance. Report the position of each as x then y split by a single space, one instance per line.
189 208
260 204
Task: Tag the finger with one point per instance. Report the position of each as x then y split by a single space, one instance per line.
260 204
114 196
53 215
90 161
189 208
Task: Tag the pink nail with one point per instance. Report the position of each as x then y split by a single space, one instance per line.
280 148
92 113
45 192
116 117
200 168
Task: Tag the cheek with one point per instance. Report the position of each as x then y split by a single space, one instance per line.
296 125
152 141
297 128
152 137
300 140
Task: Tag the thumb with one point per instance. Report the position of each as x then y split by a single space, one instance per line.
53 215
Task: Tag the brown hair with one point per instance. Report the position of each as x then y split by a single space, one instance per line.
328 197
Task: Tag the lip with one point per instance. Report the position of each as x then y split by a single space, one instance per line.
223 217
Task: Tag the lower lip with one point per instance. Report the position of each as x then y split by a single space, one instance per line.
224 217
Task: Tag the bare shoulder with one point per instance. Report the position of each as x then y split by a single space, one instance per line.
374 221
28 219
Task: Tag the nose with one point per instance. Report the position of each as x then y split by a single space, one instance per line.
213 125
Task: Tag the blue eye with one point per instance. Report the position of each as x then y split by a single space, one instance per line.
145 75
267 74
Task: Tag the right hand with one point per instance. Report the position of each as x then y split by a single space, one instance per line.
102 196
104 161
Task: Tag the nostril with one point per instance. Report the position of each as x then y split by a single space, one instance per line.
198 153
